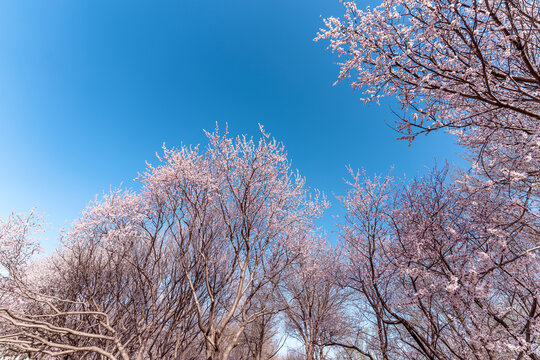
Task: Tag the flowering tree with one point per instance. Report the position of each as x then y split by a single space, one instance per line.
96 297
177 269
262 338
441 272
17 242
122 267
453 63
238 217
449 271
316 311
468 66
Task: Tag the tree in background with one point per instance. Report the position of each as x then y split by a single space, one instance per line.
17 240
316 304
262 339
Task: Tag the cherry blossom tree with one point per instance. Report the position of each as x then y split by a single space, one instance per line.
124 269
25 312
452 63
448 270
99 295
239 216
262 339
316 304
471 67
17 239
175 270
442 272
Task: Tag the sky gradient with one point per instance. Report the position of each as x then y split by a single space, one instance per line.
90 90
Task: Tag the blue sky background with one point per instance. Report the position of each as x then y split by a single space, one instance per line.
89 90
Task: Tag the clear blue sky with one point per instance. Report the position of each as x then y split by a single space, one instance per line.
89 90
